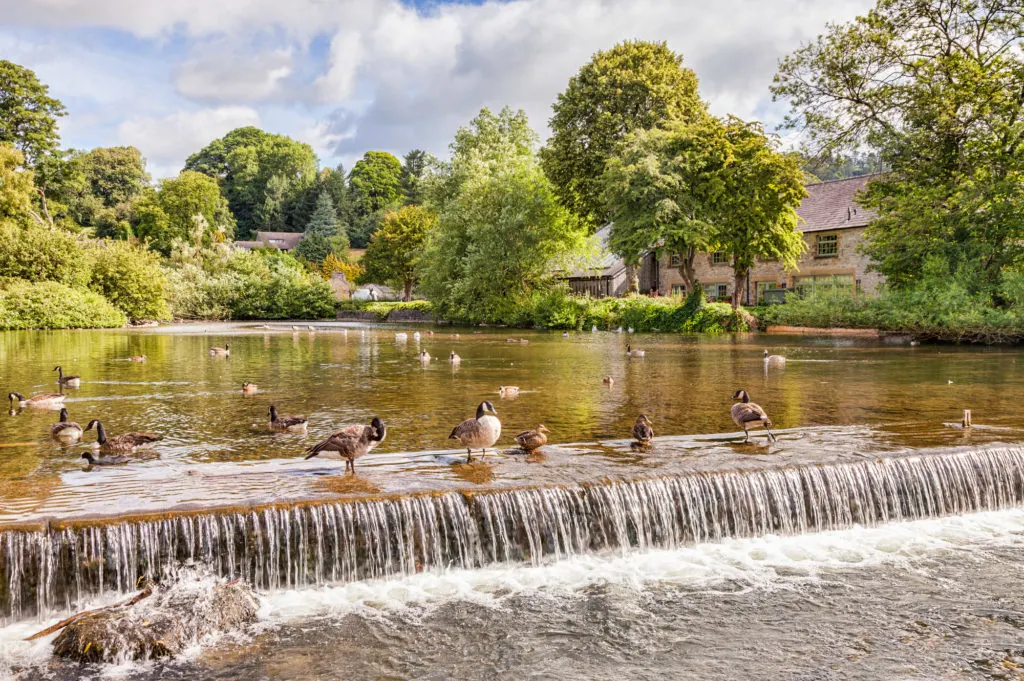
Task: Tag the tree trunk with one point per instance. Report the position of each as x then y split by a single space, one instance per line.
633 277
686 270
408 290
739 287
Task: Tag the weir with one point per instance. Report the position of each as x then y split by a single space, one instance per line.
54 567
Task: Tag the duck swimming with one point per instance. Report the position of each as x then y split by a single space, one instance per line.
292 424
350 443
70 381
748 415
249 388
480 432
65 431
121 444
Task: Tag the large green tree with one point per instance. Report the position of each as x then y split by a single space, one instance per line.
936 88
28 114
416 165
97 188
394 250
182 207
375 186
634 85
501 231
244 161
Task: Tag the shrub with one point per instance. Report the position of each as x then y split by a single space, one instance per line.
131 278
40 254
51 305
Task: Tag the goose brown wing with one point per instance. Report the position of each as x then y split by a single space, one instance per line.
350 442
468 429
45 397
289 421
747 412
59 428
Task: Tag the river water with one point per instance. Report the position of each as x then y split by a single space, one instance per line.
844 551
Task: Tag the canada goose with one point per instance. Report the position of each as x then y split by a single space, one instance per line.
121 444
454 359
533 439
249 388
508 390
104 461
608 380
424 357
748 415
480 432
137 358
773 359
70 381
642 429
221 352
66 431
294 327
293 424
45 400
350 443
630 352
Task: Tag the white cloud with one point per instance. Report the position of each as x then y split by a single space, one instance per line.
167 141
226 73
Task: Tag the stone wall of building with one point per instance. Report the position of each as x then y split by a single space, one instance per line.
847 266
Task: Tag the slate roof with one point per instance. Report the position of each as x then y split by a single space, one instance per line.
288 240
606 264
832 205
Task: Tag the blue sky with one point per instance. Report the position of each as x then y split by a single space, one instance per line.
348 76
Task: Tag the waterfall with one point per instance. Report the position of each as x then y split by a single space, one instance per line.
296 546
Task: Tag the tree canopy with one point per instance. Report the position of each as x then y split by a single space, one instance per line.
395 248
935 87
183 208
375 185
28 114
634 85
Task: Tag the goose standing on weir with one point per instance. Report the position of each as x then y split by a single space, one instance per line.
480 432
291 424
748 415
643 431
65 431
350 443
70 381
120 444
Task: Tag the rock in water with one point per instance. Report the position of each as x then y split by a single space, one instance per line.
159 626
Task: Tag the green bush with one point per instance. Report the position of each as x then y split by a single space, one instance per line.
131 278
39 254
51 305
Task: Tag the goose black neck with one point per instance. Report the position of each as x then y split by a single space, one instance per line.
273 413
101 433
480 412
63 415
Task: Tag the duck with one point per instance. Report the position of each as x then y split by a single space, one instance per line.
424 357
748 415
608 380
630 352
44 400
508 390
65 431
311 328
121 444
643 431
523 341
533 439
480 432
221 352
137 358
104 461
350 443
292 424
773 359
249 388
454 359
70 381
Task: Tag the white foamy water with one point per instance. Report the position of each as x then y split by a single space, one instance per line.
763 563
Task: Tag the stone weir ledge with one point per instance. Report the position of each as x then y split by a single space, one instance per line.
297 525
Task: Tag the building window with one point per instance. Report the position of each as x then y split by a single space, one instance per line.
809 284
719 258
762 287
716 291
678 289
828 245
674 260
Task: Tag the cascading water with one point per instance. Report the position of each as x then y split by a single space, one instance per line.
290 547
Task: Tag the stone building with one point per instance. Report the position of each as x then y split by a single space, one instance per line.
833 226
282 241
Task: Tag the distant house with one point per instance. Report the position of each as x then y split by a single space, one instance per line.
283 241
833 225
606 276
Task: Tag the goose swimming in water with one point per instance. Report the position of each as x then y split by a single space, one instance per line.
630 352
480 432
773 359
137 358
292 424
642 429
221 352
104 461
454 359
121 444
70 381
748 415
64 431
43 400
533 439
424 357
350 443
